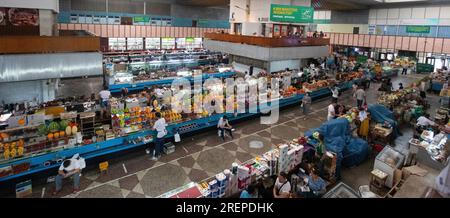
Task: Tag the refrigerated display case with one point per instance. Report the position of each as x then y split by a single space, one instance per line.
388 161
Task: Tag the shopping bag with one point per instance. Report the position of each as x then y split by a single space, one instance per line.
177 137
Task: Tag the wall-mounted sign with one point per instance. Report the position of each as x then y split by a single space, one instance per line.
141 19
418 29
291 14
19 21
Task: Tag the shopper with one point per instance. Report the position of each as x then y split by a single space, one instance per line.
306 104
223 125
405 69
331 110
282 187
400 86
161 131
360 96
69 167
315 34
316 184
340 110
363 130
250 192
335 93
105 94
322 34
425 122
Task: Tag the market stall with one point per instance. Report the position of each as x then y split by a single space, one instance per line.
130 128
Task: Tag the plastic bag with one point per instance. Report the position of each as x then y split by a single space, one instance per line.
177 137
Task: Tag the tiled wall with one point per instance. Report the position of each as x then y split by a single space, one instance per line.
133 31
407 43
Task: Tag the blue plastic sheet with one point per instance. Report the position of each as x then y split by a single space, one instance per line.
380 114
338 139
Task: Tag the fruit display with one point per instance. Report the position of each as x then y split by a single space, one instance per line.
140 117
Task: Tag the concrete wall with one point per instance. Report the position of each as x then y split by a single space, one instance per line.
199 12
342 28
266 54
47 23
433 15
282 65
350 17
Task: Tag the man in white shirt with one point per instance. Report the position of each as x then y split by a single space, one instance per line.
223 125
424 121
105 94
331 111
335 93
68 168
282 187
161 131
360 96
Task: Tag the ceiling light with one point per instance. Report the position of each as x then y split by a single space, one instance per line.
401 1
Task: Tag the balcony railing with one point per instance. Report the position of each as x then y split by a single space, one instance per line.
267 41
48 44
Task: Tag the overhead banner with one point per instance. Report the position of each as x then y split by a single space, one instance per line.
418 29
291 14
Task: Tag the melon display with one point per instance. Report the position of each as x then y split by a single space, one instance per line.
74 130
63 124
68 130
53 127
42 129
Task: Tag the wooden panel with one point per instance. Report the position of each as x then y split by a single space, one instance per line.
398 43
104 30
332 38
438 45
384 41
446 47
413 44
391 42
48 44
405 43
98 29
361 39
429 44
366 40
157 31
115 30
354 39
63 26
269 42
379 41
421 44
91 28
345 41
372 41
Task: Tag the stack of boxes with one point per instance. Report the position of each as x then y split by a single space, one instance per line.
284 159
243 174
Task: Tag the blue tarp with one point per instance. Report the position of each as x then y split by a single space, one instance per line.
338 139
380 114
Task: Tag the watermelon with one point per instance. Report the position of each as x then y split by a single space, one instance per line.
54 126
42 129
63 124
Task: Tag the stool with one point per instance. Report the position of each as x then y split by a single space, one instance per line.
377 179
103 166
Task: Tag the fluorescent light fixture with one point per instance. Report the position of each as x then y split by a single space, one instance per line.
400 1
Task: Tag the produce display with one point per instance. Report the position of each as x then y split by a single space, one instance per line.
29 140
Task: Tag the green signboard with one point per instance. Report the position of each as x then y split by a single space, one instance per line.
361 59
189 39
141 19
418 29
425 68
291 14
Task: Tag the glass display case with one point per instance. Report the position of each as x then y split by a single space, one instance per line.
152 43
167 43
135 44
389 160
341 190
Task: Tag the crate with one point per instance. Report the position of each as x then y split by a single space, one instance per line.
169 148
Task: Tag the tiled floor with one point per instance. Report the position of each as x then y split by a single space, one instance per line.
202 155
